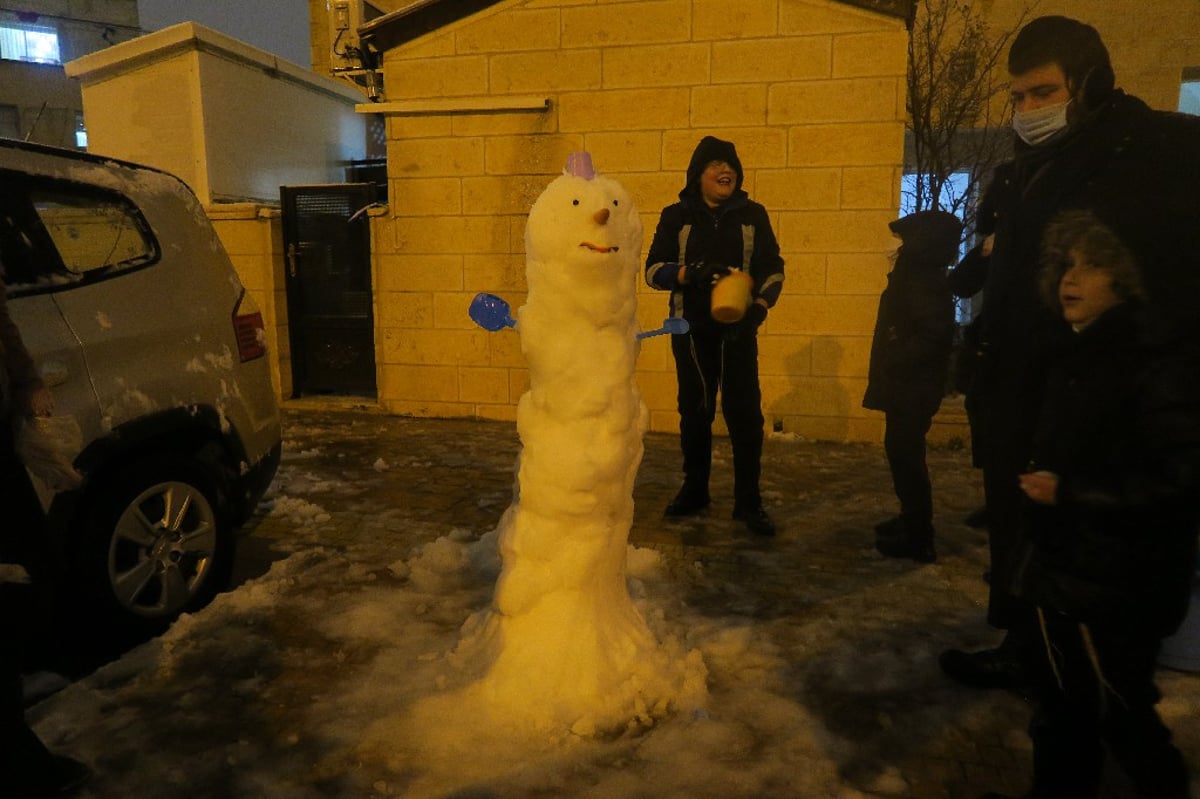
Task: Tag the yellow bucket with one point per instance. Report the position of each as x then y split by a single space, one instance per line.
731 297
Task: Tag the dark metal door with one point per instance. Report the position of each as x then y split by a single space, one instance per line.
327 246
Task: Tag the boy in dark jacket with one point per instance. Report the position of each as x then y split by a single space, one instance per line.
1110 529
910 357
713 229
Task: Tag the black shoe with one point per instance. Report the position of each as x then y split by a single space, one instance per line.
903 542
890 528
921 552
756 519
687 503
59 776
977 519
988 668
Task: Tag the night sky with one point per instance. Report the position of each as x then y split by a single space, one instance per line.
278 26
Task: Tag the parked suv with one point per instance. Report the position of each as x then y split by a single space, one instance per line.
145 336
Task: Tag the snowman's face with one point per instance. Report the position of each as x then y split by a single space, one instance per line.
590 227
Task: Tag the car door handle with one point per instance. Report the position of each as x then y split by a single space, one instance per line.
54 373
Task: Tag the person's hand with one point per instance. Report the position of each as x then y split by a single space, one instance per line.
42 402
748 325
703 274
1041 487
756 314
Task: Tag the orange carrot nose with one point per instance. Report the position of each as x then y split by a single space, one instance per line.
601 216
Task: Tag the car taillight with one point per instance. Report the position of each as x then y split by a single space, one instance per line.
249 329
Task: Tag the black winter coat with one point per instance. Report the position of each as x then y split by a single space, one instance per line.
914 334
1138 170
1121 428
738 234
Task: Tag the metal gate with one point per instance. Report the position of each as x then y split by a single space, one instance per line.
327 245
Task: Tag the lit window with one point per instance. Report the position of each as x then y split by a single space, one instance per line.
80 132
28 43
953 192
1189 96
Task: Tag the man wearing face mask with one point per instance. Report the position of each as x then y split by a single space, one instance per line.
1080 143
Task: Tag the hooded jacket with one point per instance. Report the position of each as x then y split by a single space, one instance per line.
1121 429
914 329
736 234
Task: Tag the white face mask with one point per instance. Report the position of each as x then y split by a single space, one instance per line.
1038 125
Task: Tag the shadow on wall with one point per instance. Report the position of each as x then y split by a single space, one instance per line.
817 406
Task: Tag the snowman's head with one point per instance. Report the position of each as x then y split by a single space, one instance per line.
584 230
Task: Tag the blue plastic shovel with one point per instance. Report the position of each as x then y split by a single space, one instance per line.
675 326
490 312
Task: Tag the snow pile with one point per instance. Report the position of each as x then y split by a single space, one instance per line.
300 512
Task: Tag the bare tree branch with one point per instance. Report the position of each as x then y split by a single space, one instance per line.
955 80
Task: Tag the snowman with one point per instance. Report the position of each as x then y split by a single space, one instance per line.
567 645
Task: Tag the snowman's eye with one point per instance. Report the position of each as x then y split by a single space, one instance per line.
616 202
574 202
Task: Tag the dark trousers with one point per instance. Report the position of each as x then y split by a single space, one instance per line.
23 540
1095 686
904 444
1008 424
21 751
707 359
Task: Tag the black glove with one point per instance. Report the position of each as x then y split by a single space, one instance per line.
756 314
702 274
747 326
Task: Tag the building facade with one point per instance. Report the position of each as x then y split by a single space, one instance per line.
38 101
482 111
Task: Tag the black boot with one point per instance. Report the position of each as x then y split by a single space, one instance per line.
907 540
977 518
988 668
688 502
890 527
756 519
56 776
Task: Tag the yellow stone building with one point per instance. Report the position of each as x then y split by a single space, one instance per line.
481 114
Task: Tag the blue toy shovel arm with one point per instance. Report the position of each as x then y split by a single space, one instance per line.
674 325
490 312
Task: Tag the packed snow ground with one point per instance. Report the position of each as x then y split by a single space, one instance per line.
321 677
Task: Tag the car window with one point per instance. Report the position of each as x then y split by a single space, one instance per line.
54 234
92 231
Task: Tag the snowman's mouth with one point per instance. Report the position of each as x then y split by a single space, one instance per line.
597 248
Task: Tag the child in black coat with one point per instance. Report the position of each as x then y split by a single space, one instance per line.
910 359
1110 532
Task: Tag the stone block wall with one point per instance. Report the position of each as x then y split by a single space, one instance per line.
812 93
253 237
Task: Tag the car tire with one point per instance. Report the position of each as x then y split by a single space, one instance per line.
157 544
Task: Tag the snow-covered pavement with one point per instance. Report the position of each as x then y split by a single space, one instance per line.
322 677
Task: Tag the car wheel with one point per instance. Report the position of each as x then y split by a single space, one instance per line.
158 545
